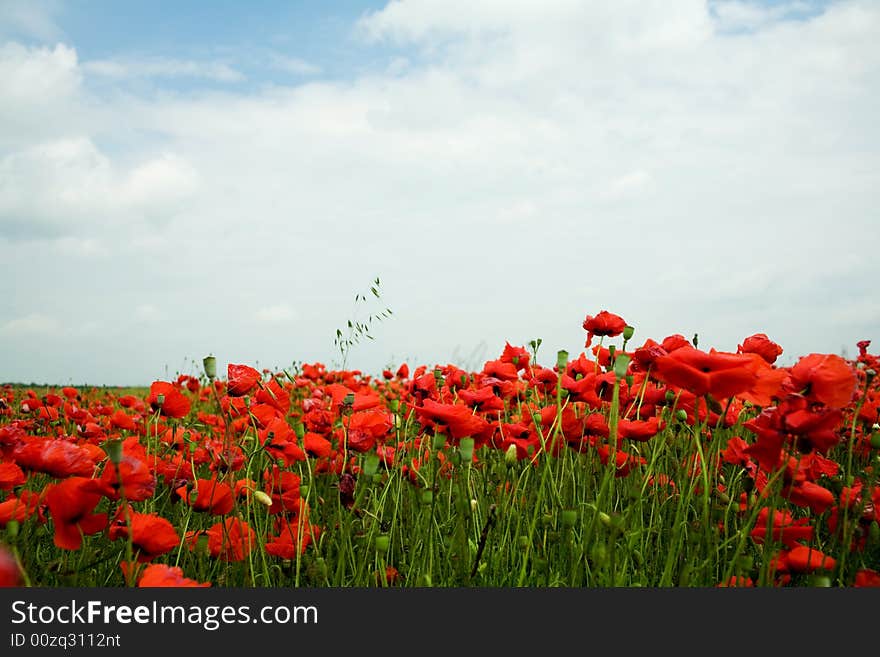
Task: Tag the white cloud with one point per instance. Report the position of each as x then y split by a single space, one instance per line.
147 312
32 325
66 185
294 65
280 312
162 67
628 185
31 18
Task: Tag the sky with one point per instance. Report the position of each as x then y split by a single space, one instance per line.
226 178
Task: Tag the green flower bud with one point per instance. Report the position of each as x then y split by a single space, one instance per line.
820 581
427 497
681 415
875 440
438 442
621 363
210 365
561 359
628 333
569 517
510 457
12 528
382 543
114 451
873 532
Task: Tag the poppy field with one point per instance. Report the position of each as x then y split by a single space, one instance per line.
632 464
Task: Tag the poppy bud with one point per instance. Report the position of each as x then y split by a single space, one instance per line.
873 532
568 517
12 528
620 365
875 440
382 543
681 415
510 455
628 332
114 451
262 498
438 442
669 396
304 490
394 405
427 497
561 359
210 365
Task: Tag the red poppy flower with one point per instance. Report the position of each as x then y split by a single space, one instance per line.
19 508
458 420
516 355
11 476
293 537
803 559
71 507
208 495
241 379
10 575
714 373
827 378
867 577
151 535
132 478
316 445
603 324
57 458
174 403
365 429
281 442
231 540
781 526
122 420
639 430
760 344
162 575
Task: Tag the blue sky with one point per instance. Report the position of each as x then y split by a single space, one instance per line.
184 178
